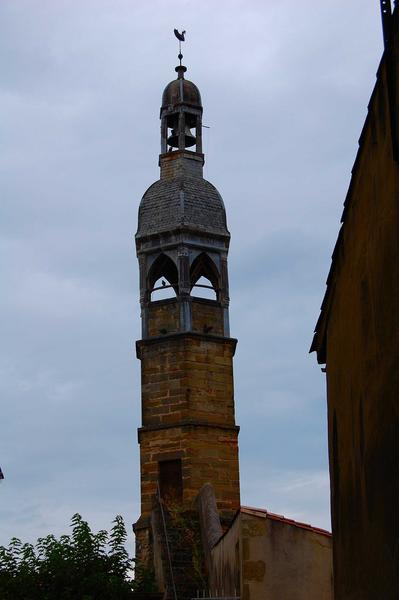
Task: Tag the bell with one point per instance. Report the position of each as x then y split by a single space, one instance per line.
189 138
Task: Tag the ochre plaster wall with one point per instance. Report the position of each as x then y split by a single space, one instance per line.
284 561
362 350
274 560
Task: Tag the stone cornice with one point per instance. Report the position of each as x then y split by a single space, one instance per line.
181 335
185 425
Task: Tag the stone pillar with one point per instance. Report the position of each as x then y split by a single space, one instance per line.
182 143
164 135
198 133
184 288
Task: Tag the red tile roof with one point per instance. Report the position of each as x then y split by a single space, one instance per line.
265 514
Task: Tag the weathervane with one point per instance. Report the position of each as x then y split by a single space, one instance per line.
180 37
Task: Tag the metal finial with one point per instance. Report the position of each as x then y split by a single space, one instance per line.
180 37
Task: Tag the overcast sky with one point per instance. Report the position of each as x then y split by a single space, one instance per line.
285 86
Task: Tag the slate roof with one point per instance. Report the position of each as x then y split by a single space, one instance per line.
183 201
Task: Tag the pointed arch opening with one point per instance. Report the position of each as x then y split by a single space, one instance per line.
163 279
204 278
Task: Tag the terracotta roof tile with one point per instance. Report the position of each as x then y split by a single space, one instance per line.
263 513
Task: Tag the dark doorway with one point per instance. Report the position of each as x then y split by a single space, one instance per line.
171 480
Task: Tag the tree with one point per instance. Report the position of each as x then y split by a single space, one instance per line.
82 566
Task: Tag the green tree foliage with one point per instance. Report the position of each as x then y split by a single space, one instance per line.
80 566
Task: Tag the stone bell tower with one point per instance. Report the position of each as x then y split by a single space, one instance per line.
188 436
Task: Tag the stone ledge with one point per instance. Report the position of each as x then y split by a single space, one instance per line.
185 425
179 154
184 298
173 234
207 337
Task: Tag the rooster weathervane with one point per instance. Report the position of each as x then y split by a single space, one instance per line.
181 38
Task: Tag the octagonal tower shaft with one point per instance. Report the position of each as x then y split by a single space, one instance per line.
188 435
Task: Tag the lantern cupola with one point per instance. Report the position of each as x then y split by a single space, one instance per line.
181 115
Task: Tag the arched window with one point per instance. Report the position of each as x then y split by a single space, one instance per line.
204 278
163 278
203 288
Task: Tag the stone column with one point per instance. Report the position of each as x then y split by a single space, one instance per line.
184 288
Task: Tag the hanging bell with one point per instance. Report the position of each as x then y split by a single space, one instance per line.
189 138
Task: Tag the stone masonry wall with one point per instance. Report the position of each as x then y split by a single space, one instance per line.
188 413
187 377
163 316
208 454
180 164
207 314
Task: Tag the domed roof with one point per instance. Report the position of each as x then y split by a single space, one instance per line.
181 90
182 202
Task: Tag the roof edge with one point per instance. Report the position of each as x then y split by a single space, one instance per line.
265 514
319 341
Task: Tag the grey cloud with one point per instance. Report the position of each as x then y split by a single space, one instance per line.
285 89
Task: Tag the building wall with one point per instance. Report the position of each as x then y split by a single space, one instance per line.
225 571
273 560
361 338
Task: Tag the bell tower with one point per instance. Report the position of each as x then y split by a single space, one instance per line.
188 435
